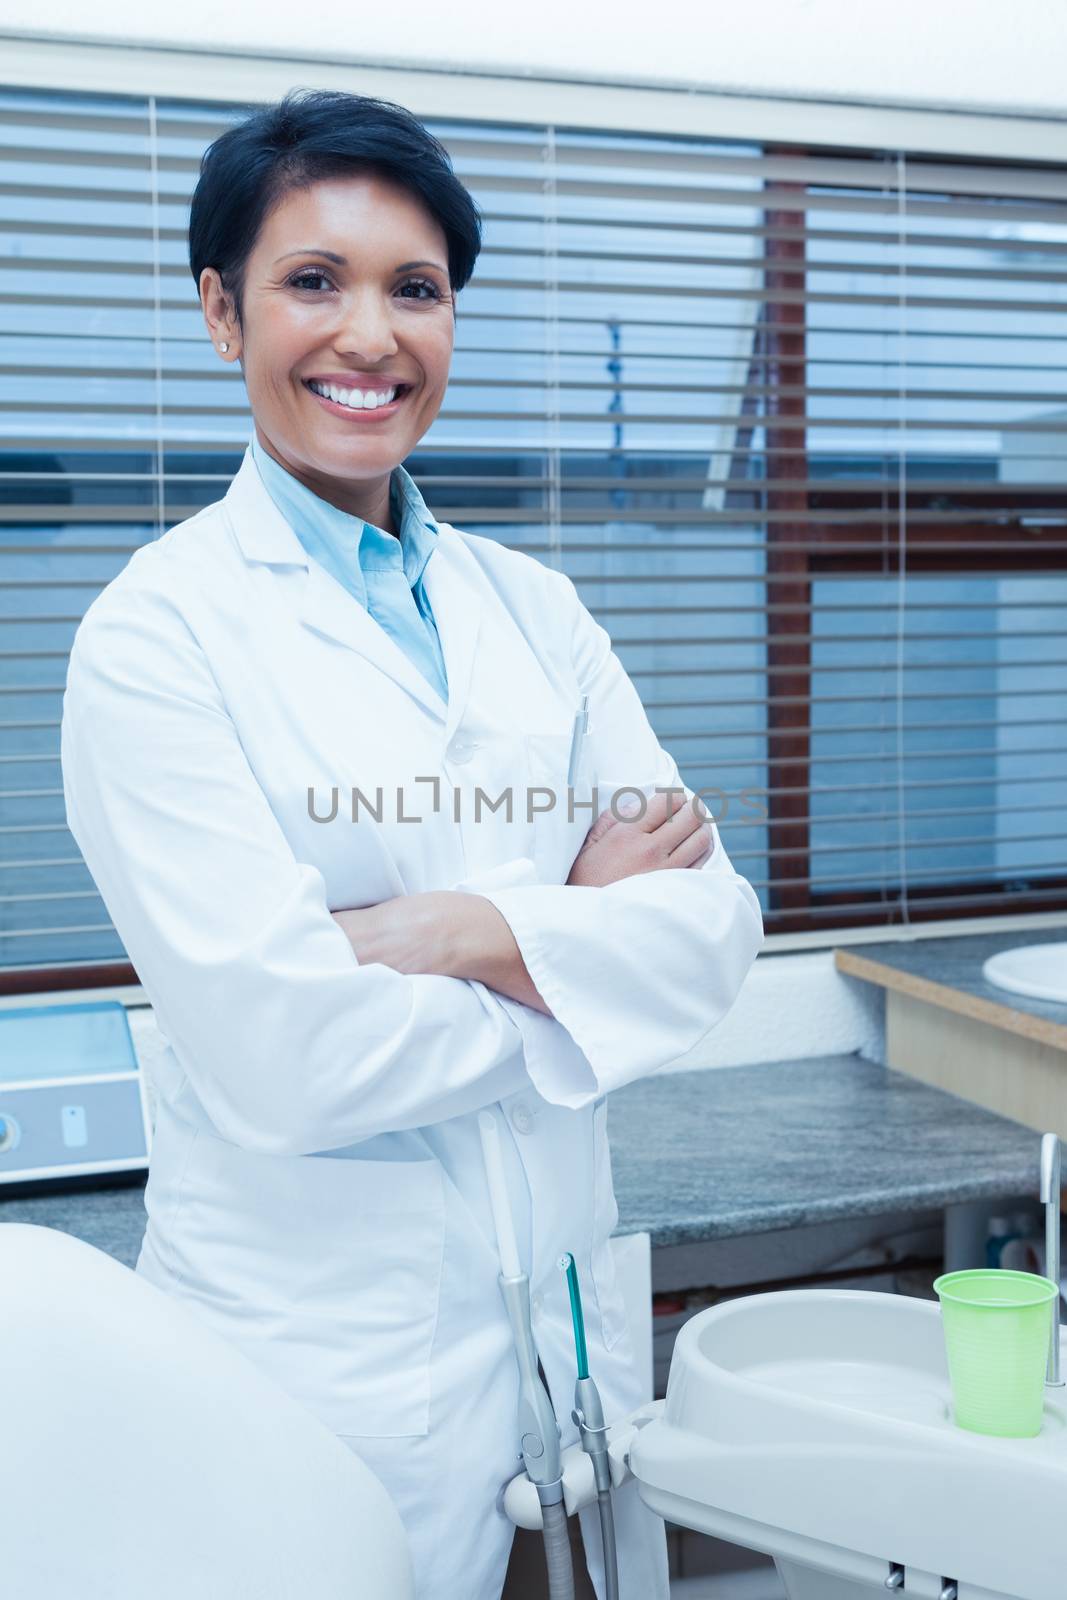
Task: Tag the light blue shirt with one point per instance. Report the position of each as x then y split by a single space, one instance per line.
381 571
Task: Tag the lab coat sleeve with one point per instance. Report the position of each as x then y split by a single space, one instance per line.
290 1044
639 971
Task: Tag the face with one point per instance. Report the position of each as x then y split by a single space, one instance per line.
381 314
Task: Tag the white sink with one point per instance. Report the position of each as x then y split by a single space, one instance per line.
1037 970
816 1425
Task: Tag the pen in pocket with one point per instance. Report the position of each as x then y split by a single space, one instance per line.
581 720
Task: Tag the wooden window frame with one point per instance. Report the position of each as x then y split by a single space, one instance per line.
800 550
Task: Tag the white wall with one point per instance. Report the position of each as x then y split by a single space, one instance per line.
967 53
791 1007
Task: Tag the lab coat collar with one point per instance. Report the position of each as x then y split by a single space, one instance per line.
263 535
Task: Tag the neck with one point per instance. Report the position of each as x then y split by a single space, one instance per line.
369 501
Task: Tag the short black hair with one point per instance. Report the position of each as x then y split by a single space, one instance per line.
309 135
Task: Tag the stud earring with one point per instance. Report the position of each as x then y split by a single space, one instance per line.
224 346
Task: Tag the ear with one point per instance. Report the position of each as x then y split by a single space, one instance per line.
219 315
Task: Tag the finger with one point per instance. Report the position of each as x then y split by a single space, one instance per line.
628 805
695 849
681 825
681 830
650 811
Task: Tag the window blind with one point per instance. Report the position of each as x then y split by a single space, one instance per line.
792 420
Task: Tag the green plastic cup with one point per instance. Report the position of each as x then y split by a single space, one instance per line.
997 1325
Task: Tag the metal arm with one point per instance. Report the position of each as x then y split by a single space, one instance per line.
1050 1199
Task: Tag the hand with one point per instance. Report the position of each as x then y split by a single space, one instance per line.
410 933
670 834
442 931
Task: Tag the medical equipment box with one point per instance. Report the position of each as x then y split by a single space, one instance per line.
72 1101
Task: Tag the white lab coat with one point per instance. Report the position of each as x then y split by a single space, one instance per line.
214 682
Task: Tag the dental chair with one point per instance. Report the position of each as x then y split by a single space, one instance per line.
141 1455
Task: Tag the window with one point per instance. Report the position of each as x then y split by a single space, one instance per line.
792 420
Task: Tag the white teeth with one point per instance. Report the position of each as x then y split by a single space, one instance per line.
357 399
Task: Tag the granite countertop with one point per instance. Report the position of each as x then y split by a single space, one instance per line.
111 1218
948 973
732 1151
743 1150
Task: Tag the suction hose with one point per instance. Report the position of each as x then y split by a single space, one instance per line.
538 1429
558 1552
607 1529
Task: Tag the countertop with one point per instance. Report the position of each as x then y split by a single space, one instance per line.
948 973
743 1150
732 1151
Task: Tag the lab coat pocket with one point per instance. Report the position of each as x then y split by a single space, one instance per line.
559 821
327 1270
605 1217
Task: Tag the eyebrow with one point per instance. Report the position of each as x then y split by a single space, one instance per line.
342 261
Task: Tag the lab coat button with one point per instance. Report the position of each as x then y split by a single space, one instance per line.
537 1303
523 1117
461 750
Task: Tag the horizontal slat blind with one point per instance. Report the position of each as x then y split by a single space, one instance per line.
792 421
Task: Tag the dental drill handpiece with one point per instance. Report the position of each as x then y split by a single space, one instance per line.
588 1415
539 1432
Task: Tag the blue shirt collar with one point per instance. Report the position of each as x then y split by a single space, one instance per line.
360 545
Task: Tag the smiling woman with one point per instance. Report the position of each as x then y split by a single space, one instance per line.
333 285
340 1004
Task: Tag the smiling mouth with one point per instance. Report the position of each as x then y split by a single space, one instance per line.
358 408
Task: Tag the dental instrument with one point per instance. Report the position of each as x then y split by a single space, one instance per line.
539 1432
588 1414
1050 1199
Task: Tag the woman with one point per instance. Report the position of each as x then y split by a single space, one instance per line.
343 986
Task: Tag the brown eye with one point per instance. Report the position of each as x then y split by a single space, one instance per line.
423 283
300 278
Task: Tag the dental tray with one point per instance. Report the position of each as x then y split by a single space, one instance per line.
816 1426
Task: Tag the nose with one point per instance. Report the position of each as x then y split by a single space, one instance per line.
366 330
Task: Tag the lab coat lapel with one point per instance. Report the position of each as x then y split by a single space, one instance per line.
326 608
450 579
